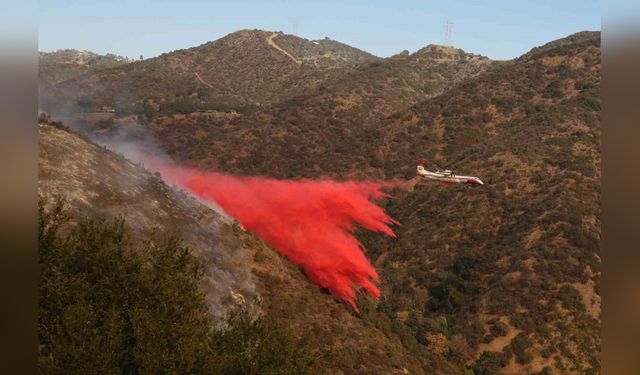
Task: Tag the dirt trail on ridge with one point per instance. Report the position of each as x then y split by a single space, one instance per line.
203 81
272 44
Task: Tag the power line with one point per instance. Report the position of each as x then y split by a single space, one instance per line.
448 30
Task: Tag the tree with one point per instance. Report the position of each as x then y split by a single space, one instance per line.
261 346
107 305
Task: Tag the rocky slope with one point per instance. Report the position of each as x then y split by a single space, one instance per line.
97 181
240 268
247 68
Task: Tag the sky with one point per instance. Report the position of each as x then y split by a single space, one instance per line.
498 29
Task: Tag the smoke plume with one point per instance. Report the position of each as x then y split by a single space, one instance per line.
310 222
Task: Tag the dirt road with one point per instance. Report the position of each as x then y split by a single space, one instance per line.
203 81
272 44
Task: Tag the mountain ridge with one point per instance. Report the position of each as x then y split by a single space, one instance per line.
267 73
58 66
500 279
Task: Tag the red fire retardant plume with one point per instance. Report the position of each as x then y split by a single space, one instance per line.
310 222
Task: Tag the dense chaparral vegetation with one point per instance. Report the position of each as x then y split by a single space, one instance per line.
502 278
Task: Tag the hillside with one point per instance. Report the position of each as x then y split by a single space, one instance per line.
61 65
524 250
579 37
341 115
96 181
239 267
504 278
248 68
512 269
323 52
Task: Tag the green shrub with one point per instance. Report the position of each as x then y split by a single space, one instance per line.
487 117
571 298
489 363
524 358
108 306
519 346
262 346
499 329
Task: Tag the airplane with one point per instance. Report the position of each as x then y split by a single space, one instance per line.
446 176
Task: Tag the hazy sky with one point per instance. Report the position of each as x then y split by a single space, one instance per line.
497 29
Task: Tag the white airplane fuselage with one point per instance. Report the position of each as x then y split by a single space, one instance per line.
448 177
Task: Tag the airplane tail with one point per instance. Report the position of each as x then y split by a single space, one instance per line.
420 169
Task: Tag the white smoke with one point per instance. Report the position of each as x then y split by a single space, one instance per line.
227 276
